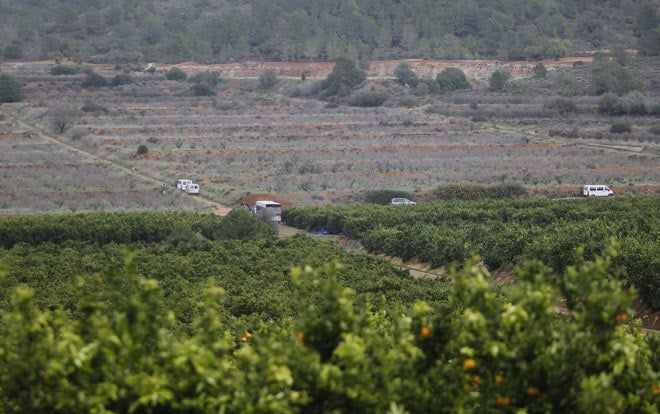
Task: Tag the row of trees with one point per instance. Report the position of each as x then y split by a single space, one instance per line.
504 232
129 31
193 325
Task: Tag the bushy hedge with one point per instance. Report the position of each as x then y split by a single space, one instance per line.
469 191
104 228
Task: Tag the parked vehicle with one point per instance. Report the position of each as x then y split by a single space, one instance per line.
269 207
597 190
182 184
401 200
192 188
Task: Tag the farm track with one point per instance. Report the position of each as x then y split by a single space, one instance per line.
29 129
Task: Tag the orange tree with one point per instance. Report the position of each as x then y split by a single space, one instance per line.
487 350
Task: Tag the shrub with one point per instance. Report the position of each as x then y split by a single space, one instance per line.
122 79
562 105
568 84
368 98
94 80
422 89
452 79
649 44
13 51
65 70
92 107
202 89
620 127
634 103
268 80
655 129
11 89
610 104
498 80
540 70
142 149
211 79
176 74
469 191
241 224
405 76
343 78
612 77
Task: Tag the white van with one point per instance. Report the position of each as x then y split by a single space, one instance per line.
182 184
192 188
597 190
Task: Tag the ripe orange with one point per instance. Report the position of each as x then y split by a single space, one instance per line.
425 332
533 391
656 389
476 380
469 364
621 318
503 401
498 379
301 337
243 339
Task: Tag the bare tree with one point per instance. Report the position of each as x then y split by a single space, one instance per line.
61 117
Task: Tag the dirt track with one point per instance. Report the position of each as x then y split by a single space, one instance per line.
473 69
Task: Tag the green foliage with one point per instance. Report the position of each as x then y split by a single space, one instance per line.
65 70
93 107
502 232
540 70
121 79
176 74
498 80
234 31
142 149
211 79
568 84
404 75
621 127
562 105
241 224
647 18
451 79
13 51
202 89
611 77
478 349
343 78
101 228
370 99
94 80
383 197
11 89
649 44
467 191
268 80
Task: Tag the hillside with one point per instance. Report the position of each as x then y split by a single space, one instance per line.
131 31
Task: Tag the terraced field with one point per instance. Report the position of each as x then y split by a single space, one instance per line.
243 141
